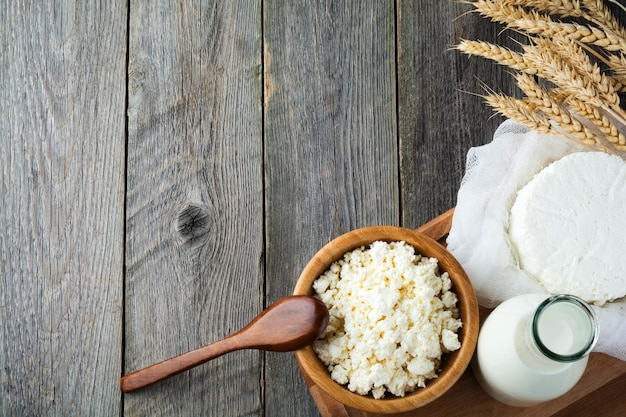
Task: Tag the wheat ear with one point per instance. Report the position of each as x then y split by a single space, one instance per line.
552 103
526 113
575 58
580 98
564 8
550 65
500 54
533 22
598 13
519 111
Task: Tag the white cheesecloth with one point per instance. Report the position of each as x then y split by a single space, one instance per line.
479 239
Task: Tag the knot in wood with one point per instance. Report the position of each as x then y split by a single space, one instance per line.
193 225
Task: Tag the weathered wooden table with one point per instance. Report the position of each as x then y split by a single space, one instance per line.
168 168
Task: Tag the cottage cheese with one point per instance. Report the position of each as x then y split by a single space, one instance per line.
567 227
392 316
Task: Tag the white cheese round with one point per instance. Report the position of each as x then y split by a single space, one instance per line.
567 227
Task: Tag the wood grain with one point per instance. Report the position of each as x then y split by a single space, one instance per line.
330 145
440 116
62 106
195 201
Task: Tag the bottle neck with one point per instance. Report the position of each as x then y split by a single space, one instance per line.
564 328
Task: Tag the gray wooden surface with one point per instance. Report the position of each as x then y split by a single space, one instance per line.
62 161
168 168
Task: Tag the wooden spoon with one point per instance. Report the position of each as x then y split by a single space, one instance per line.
289 324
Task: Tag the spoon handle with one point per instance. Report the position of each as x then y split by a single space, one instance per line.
289 324
173 366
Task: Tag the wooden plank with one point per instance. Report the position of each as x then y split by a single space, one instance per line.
330 145
596 402
440 117
195 201
62 118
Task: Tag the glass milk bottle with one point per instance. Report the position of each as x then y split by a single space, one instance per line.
533 348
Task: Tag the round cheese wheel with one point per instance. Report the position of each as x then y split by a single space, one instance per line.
567 227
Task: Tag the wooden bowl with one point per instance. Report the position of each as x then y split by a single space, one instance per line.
453 364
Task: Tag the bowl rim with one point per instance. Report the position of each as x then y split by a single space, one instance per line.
455 362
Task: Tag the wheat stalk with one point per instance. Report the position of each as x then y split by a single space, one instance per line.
554 102
592 10
564 8
562 66
514 16
580 99
581 78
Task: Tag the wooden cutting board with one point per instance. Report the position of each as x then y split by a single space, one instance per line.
600 391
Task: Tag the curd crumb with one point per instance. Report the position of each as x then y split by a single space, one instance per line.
392 316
